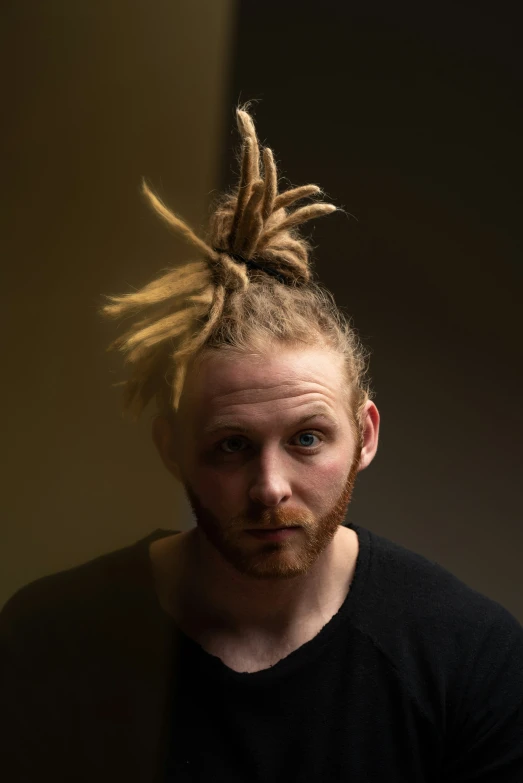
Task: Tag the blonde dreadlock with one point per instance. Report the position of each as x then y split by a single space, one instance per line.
230 298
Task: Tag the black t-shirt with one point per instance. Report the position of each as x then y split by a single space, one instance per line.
416 678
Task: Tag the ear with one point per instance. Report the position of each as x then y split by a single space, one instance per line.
164 437
370 432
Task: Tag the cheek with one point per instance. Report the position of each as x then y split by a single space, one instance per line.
315 484
324 482
221 492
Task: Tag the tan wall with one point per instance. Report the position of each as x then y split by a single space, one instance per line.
100 93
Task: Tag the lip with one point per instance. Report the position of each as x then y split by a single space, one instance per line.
273 534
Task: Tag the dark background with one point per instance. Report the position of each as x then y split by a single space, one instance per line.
409 115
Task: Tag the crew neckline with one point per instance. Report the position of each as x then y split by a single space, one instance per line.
295 659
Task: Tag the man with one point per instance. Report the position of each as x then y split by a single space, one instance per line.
273 641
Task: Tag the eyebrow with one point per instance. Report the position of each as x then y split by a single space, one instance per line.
224 423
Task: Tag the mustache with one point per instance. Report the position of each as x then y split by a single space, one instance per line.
268 519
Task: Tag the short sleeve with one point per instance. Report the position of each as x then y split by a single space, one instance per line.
485 721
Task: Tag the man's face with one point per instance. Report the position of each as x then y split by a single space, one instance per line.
268 444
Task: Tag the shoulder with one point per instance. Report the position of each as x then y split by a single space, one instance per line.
436 632
414 589
95 589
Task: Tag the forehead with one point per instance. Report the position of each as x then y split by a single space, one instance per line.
281 379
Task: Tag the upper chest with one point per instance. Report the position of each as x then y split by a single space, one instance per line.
254 653
253 650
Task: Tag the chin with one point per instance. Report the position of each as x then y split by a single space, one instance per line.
270 559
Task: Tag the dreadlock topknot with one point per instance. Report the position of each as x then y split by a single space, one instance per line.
216 301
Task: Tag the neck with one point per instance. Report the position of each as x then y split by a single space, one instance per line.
209 592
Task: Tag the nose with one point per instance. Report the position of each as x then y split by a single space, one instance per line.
270 486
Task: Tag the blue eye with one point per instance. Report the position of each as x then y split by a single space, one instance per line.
235 444
307 436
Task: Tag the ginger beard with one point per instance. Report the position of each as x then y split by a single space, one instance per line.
274 559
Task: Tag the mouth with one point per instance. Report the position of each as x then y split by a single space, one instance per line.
274 533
